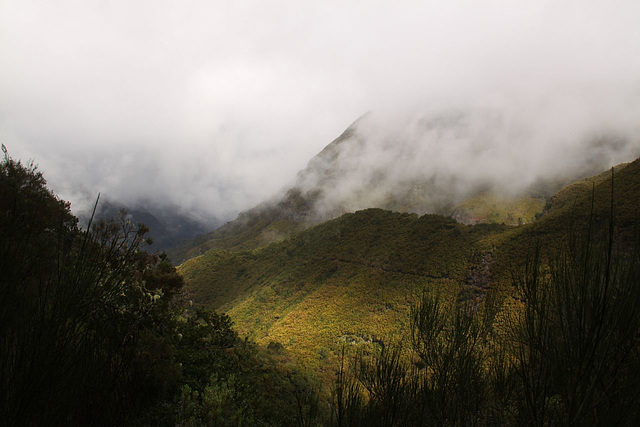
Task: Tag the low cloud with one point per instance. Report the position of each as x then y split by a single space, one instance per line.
214 106
431 160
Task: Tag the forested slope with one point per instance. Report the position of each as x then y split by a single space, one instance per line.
355 278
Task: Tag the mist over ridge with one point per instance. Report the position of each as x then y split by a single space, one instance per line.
427 162
211 108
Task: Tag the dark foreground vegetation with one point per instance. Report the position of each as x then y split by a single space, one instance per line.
96 331
569 354
566 353
93 330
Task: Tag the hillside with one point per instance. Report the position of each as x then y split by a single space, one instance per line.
359 170
354 278
577 190
258 227
487 207
570 209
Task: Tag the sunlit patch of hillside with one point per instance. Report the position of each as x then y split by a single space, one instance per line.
354 279
488 207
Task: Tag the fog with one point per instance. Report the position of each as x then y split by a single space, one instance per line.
214 106
432 160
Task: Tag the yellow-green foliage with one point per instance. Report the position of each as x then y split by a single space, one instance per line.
572 205
488 207
577 190
239 235
354 278
266 223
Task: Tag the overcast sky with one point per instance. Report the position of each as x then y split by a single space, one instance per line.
215 105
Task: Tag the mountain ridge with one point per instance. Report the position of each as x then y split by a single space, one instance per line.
337 181
358 275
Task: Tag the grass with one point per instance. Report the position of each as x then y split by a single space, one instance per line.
488 207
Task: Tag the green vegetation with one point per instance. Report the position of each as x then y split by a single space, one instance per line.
568 354
554 227
447 375
577 191
274 222
355 278
488 207
310 202
258 227
373 318
94 331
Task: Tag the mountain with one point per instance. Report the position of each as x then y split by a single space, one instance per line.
354 278
369 166
273 220
168 225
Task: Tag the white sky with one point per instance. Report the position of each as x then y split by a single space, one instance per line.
215 105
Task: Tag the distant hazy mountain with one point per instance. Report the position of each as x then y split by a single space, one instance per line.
168 225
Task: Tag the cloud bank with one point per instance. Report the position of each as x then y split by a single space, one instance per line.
430 161
214 106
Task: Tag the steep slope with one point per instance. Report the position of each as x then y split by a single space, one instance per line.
266 223
568 213
434 163
577 190
353 279
271 221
